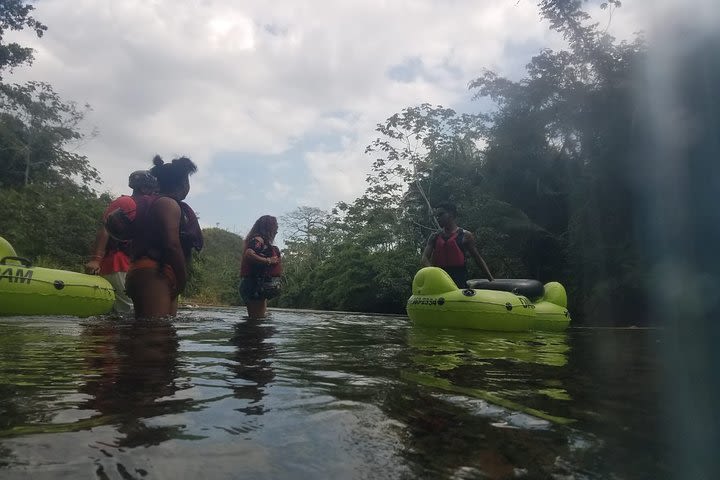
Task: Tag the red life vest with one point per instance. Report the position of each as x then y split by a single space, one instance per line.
118 219
120 215
448 252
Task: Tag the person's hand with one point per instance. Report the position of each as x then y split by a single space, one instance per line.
92 267
273 260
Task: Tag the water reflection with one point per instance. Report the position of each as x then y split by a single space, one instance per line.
476 403
463 404
616 390
449 436
585 385
499 367
463 346
253 363
38 365
324 396
135 369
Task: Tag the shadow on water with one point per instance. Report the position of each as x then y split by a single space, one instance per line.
136 369
253 363
103 384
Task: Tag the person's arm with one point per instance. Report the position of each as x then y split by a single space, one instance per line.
277 256
427 253
98 252
254 257
166 212
470 246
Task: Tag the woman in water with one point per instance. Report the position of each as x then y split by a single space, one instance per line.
260 267
165 232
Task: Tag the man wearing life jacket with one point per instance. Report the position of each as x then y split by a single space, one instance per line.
446 249
110 257
165 230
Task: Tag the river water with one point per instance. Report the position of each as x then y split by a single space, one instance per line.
324 395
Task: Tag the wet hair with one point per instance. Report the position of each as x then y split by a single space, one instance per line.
448 207
263 227
171 176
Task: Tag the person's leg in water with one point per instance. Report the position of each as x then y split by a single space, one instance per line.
256 308
250 293
152 293
122 304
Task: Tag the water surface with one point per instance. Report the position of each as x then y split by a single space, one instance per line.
323 395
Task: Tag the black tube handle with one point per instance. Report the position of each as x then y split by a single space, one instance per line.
23 261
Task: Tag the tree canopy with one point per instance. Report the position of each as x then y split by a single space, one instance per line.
541 179
15 15
50 209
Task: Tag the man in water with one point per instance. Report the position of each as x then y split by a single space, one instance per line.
447 248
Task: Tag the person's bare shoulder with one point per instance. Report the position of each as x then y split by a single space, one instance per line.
167 203
166 206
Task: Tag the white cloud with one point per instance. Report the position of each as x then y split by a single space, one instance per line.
335 174
279 190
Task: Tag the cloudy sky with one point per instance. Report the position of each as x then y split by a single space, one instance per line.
274 100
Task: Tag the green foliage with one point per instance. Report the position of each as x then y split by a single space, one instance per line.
215 271
350 278
15 15
540 180
36 130
52 226
561 149
49 211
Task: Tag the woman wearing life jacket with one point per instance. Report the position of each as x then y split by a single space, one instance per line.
111 257
260 267
446 248
165 230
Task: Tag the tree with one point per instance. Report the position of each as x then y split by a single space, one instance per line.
412 153
36 125
36 130
54 227
15 15
215 270
306 231
562 149
51 210
304 224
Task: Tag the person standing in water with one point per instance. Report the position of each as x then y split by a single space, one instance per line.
110 257
260 267
446 248
166 230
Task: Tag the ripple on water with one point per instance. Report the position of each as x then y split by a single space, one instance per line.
316 395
